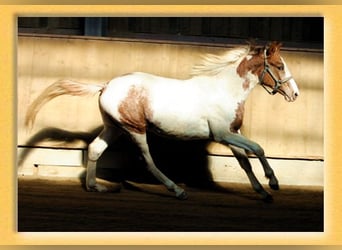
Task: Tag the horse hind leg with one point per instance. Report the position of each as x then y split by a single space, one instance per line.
95 150
141 141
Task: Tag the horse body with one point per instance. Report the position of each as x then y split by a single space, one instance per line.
208 105
169 106
180 108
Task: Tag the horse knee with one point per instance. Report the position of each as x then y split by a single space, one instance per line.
258 150
94 151
93 155
241 142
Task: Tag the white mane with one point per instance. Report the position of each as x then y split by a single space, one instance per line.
214 64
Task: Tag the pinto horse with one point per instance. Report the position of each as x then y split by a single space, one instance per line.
208 105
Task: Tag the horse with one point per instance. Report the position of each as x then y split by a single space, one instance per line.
208 105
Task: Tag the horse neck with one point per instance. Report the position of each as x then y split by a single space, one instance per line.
235 86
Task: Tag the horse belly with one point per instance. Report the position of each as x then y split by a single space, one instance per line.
180 117
181 128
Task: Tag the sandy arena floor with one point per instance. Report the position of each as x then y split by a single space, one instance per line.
46 205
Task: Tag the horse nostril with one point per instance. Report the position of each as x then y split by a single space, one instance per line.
296 94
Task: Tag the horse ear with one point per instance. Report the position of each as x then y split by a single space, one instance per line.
254 49
273 47
258 50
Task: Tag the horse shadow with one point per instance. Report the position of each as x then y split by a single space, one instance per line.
182 161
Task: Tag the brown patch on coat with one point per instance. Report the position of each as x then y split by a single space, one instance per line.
255 65
245 85
243 68
237 122
135 110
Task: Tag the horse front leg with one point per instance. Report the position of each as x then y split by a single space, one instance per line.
246 144
141 141
269 173
241 156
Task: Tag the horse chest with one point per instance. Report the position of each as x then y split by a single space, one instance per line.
228 117
236 124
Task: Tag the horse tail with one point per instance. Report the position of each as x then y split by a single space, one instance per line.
62 87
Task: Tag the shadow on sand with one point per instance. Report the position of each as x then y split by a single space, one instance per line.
182 161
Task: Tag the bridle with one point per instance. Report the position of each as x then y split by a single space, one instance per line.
277 82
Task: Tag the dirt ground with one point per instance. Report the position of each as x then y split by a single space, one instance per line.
46 205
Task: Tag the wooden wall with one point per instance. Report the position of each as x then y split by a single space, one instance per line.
286 130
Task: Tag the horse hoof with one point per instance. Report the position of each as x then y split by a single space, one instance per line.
268 199
97 188
182 196
274 186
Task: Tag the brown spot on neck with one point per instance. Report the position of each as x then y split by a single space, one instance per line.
245 85
242 69
237 122
135 110
254 65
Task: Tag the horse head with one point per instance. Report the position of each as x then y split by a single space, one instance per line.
274 74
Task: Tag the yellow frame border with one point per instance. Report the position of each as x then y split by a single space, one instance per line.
332 234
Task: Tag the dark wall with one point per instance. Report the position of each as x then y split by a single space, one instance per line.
293 31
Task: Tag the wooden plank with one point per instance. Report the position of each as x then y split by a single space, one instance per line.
28 159
42 162
289 172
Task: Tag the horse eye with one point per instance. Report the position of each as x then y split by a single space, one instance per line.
281 68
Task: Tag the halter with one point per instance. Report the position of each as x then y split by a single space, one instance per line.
277 82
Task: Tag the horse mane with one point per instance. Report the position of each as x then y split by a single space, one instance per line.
212 64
